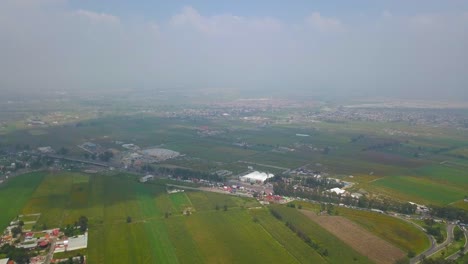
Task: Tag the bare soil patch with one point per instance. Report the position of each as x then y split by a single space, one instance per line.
361 240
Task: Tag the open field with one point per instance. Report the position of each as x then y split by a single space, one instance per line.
206 236
402 234
339 252
208 201
225 237
288 239
180 201
461 204
15 194
418 189
358 238
398 232
412 169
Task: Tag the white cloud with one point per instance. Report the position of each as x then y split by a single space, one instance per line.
224 24
98 17
324 24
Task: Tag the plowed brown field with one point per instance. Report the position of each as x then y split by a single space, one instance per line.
361 240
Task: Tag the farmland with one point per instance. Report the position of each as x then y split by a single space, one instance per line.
419 189
219 226
338 251
14 196
108 200
364 242
411 167
397 232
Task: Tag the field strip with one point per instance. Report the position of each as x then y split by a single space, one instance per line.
361 240
279 243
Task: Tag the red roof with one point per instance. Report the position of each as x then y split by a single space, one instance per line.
44 243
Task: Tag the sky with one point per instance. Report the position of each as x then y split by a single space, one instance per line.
403 49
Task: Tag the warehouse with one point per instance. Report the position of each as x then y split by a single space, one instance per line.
256 176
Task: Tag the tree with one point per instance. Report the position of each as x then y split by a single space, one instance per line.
83 223
62 151
129 219
458 234
16 231
106 156
225 207
21 223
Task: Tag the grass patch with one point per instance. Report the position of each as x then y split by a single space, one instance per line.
418 190
15 193
289 240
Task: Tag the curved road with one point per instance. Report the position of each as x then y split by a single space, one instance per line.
465 249
434 247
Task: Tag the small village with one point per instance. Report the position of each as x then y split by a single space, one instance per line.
38 244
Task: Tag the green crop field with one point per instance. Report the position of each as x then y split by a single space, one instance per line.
15 194
209 200
418 189
300 250
225 237
180 201
445 175
206 236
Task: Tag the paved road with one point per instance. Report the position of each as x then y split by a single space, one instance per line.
434 247
263 165
465 249
77 160
209 189
51 252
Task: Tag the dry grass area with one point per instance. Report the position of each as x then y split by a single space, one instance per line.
361 240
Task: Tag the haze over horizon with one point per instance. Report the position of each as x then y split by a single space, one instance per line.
405 49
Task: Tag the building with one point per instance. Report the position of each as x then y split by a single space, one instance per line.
45 150
256 177
337 191
147 178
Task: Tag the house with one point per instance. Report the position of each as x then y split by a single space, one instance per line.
147 178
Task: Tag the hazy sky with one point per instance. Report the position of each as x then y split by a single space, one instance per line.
416 48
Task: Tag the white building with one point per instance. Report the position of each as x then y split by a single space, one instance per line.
256 176
337 190
147 178
47 149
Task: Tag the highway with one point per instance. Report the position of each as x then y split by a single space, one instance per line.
101 164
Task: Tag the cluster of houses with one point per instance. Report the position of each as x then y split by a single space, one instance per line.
20 235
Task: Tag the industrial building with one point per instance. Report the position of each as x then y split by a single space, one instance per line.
256 176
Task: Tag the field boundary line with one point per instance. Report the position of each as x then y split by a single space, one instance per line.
266 231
